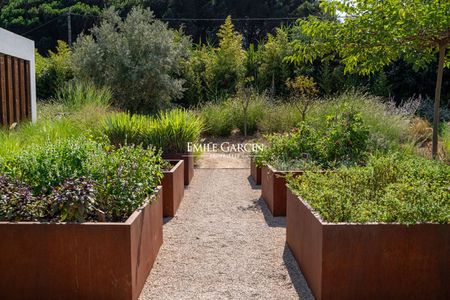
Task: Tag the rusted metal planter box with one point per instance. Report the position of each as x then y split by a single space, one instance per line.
369 261
255 172
80 261
173 187
273 189
188 159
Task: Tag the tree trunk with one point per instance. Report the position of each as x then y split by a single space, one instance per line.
437 98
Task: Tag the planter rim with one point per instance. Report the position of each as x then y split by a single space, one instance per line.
175 166
128 222
270 167
183 154
293 171
322 222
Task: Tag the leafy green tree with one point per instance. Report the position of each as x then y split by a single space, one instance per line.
274 69
226 68
193 72
138 58
45 21
53 70
376 33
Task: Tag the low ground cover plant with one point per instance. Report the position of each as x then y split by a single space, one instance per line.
394 188
77 180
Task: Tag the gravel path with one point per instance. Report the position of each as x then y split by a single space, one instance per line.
224 244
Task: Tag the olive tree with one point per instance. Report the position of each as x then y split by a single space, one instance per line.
367 35
138 58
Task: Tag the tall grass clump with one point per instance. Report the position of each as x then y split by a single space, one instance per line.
257 108
44 131
218 118
122 128
172 130
222 118
280 117
79 94
55 122
388 126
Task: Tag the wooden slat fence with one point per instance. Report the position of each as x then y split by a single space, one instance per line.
15 90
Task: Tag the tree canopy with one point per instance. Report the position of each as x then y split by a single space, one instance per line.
370 34
45 21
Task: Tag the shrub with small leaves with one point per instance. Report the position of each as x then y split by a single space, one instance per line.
346 138
124 179
394 188
73 201
17 203
45 166
344 141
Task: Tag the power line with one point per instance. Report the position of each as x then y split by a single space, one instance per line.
239 19
40 26
223 19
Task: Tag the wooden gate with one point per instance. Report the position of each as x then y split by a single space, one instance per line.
15 95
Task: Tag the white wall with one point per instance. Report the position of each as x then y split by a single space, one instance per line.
18 46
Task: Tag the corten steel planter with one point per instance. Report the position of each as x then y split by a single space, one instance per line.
369 261
273 189
173 187
188 159
255 172
80 261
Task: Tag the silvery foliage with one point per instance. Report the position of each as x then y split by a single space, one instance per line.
138 58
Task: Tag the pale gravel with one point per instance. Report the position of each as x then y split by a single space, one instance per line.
224 244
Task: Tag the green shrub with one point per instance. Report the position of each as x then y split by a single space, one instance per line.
138 57
17 203
344 141
75 179
173 130
403 189
124 179
53 71
300 143
76 95
388 127
45 166
72 201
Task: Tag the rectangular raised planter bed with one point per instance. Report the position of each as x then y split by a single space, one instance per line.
173 188
188 159
273 189
255 172
369 261
80 261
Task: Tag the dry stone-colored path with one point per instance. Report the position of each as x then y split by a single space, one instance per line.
224 244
